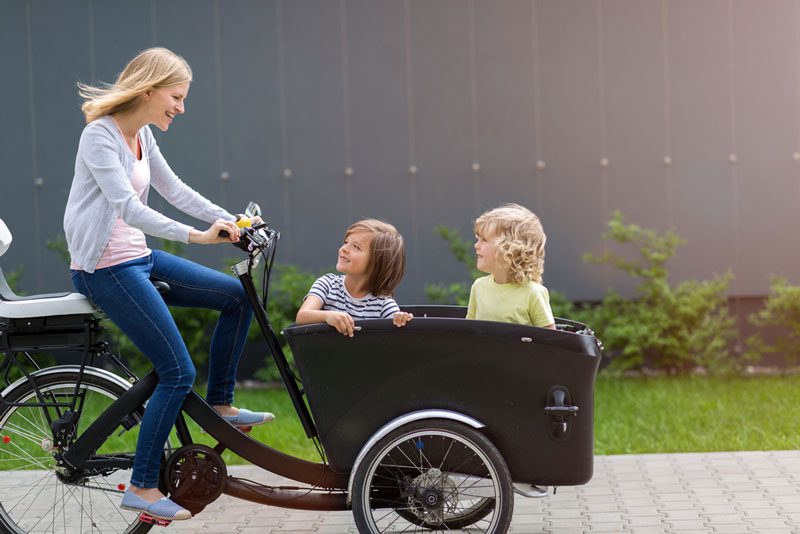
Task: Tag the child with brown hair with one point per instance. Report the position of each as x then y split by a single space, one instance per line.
510 249
372 260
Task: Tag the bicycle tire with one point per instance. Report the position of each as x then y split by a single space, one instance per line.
33 498
431 468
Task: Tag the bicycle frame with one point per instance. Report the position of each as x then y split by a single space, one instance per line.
80 455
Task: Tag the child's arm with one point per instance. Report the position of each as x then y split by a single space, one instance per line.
311 312
472 301
539 309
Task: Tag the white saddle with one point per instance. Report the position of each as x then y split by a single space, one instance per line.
17 307
13 306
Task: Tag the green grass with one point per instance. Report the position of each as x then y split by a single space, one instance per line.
696 414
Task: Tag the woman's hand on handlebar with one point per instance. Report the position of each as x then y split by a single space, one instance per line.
212 235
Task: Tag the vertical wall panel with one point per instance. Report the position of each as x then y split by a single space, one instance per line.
634 118
190 145
60 51
16 144
765 82
250 87
504 80
701 136
116 43
443 129
571 145
378 119
634 97
315 130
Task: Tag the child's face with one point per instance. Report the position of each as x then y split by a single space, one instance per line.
486 253
354 253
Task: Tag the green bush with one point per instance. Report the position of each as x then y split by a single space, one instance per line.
676 328
458 292
781 310
13 279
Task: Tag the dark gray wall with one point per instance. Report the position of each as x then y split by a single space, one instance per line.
680 113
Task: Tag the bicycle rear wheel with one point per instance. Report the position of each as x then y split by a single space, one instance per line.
36 495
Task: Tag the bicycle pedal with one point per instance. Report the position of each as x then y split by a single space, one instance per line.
150 520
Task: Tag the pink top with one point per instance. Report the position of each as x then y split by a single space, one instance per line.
126 242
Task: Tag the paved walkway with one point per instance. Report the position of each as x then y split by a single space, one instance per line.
727 493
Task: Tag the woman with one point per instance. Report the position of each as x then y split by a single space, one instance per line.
105 222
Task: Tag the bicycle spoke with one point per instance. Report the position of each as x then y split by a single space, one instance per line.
34 499
32 488
26 434
31 459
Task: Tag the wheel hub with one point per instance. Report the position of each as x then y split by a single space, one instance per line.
433 494
431 498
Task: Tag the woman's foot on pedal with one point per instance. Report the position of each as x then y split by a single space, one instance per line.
164 508
246 418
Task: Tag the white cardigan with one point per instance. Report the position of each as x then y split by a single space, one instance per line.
101 189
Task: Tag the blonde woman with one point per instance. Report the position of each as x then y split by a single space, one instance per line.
105 222
510 249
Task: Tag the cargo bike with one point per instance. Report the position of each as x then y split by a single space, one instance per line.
431 427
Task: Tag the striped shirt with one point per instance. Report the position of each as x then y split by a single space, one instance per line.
331 291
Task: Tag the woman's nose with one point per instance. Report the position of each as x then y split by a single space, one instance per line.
181 107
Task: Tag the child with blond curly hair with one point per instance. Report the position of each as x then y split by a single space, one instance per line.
510 249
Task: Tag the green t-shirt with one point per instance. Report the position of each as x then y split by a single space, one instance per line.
526 303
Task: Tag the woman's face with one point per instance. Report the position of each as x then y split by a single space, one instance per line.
163 104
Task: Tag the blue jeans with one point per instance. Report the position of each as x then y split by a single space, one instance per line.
126 294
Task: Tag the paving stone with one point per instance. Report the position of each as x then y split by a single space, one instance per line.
725 519
714 493
732 529
646 529
335 529
611 506
564 522
615 528
647 520
764 523
681 515
686 524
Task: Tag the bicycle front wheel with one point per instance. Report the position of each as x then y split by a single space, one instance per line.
36 495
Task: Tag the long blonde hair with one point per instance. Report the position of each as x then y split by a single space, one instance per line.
519 240
152 68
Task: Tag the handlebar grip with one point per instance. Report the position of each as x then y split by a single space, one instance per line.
241 221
